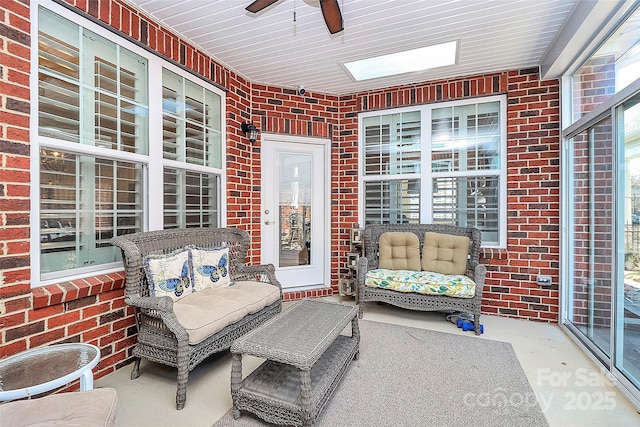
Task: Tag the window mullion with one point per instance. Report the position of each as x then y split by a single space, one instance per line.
155 178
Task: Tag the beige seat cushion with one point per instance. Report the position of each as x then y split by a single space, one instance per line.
205 312
399 251
445 253
95 408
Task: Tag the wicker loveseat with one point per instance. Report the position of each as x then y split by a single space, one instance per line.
183 332
370 263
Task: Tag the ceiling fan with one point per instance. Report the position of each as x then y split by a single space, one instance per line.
330 12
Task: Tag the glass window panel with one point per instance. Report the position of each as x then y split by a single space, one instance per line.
191 125
133 122
190 199
133 76
392 201
99 62
610 69
57 181
171 93
468 202
59 71
58 41
592 232
194 102
195 143
84 202
59 108
466 138
214 139
392 144
104 80
105 121
628 248
214 111
172 131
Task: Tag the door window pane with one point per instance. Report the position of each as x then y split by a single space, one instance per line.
294 201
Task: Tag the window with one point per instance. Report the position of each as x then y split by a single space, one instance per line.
458 148
614 66
100 105
192 135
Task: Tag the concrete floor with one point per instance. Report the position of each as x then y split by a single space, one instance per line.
570 388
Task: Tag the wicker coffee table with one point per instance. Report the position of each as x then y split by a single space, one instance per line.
306 359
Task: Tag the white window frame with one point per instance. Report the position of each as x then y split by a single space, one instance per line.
426 175
153 201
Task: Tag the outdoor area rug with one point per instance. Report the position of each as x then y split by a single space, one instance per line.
415 377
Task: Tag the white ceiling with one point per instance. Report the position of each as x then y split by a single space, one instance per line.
269 47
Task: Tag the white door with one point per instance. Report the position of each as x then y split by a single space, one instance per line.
294 209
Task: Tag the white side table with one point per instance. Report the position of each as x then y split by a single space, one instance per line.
42 369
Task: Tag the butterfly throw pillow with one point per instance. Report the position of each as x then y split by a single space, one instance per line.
210 268
169 275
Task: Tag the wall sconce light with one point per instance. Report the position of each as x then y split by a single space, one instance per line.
251 130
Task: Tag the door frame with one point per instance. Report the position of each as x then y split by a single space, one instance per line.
325 227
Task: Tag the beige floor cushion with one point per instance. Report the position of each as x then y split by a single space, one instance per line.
205 312
92 408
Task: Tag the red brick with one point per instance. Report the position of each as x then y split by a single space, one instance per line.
45 312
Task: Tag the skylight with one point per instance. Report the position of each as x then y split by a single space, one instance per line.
420 59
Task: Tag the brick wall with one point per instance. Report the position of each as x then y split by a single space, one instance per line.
93 310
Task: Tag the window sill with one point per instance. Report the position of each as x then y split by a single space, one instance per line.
493 253
49 295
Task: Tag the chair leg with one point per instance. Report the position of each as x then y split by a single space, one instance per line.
360 309
476 323
135 373
181 393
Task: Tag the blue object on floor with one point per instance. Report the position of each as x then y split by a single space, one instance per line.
468 325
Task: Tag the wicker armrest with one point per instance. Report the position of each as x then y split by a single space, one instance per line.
258 273
363 267
162 308
162 304
479 274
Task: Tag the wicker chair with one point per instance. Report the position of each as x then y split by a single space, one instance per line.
161 338
415 301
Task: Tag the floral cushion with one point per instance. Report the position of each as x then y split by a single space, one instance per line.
421 282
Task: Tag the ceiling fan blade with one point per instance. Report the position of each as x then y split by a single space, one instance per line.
332 15
258 5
